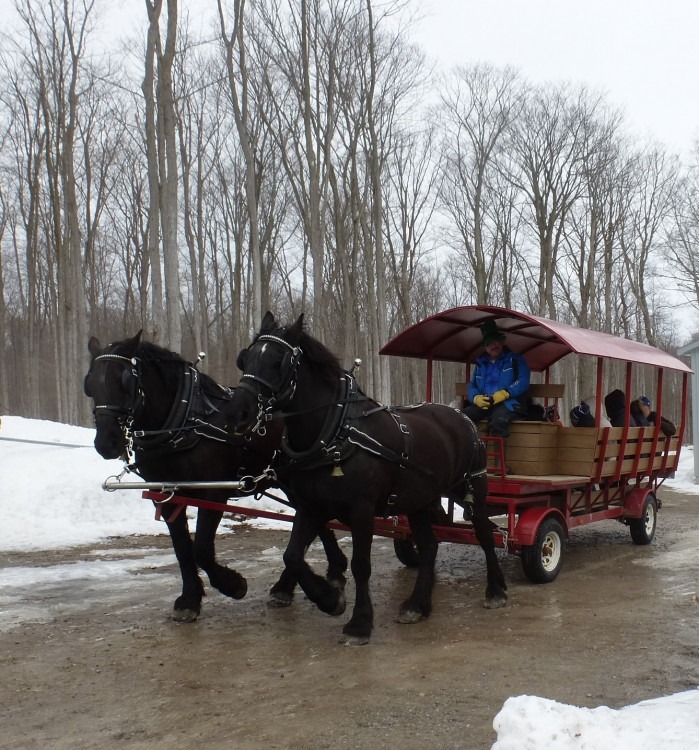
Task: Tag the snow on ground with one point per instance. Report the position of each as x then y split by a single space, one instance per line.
530 723
51 479
52 494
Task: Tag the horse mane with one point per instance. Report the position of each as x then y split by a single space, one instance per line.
324 362
151 354
154 355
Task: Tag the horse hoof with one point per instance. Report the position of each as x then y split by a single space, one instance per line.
185 615
229 582
495 602
279 599
338 583
410 617
354 640
340 606
241 591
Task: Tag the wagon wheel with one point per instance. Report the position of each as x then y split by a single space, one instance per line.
542 561
406 552
643 529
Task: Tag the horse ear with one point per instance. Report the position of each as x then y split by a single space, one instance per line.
94 346
268 322
131 345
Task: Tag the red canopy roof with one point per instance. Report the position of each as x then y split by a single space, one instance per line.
454 336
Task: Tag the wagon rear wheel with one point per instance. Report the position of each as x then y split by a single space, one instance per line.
643 529
406 552
542 561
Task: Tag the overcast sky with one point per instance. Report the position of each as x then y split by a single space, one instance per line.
643 53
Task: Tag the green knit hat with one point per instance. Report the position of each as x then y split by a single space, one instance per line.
490 332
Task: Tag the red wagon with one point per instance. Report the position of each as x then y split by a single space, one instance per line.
560 477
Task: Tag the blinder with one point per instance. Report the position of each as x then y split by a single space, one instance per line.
240 361
281 386
128 381
287 363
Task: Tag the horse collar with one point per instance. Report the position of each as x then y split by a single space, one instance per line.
331 434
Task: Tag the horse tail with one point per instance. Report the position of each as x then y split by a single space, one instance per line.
470 480
476 478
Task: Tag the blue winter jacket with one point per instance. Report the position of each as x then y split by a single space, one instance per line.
510 372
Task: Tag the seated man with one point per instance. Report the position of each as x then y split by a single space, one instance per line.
615 404
641 412
583 415
500 380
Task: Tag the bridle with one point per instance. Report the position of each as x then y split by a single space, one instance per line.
131 382
280 393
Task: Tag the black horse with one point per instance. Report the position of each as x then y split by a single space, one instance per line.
348 457
155 408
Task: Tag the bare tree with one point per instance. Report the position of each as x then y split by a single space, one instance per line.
547 149
58 34
4 208
24 144
641 236
479 104
162 152
683 241
239 87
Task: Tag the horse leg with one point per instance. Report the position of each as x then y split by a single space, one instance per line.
282 593
358 630
495 592
229 582
328 596
337 560
419 604
188 605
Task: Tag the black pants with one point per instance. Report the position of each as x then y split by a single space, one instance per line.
498 416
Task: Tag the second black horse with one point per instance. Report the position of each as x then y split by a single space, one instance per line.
351 458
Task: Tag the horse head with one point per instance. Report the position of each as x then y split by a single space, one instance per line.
269 366
113 383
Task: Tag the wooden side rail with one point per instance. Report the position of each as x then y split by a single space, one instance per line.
545 448
602 452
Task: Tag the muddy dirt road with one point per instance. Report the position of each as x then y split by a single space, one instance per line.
89 657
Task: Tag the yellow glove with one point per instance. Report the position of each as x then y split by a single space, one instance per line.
482 402
500 396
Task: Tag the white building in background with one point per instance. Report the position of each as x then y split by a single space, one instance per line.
692 351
